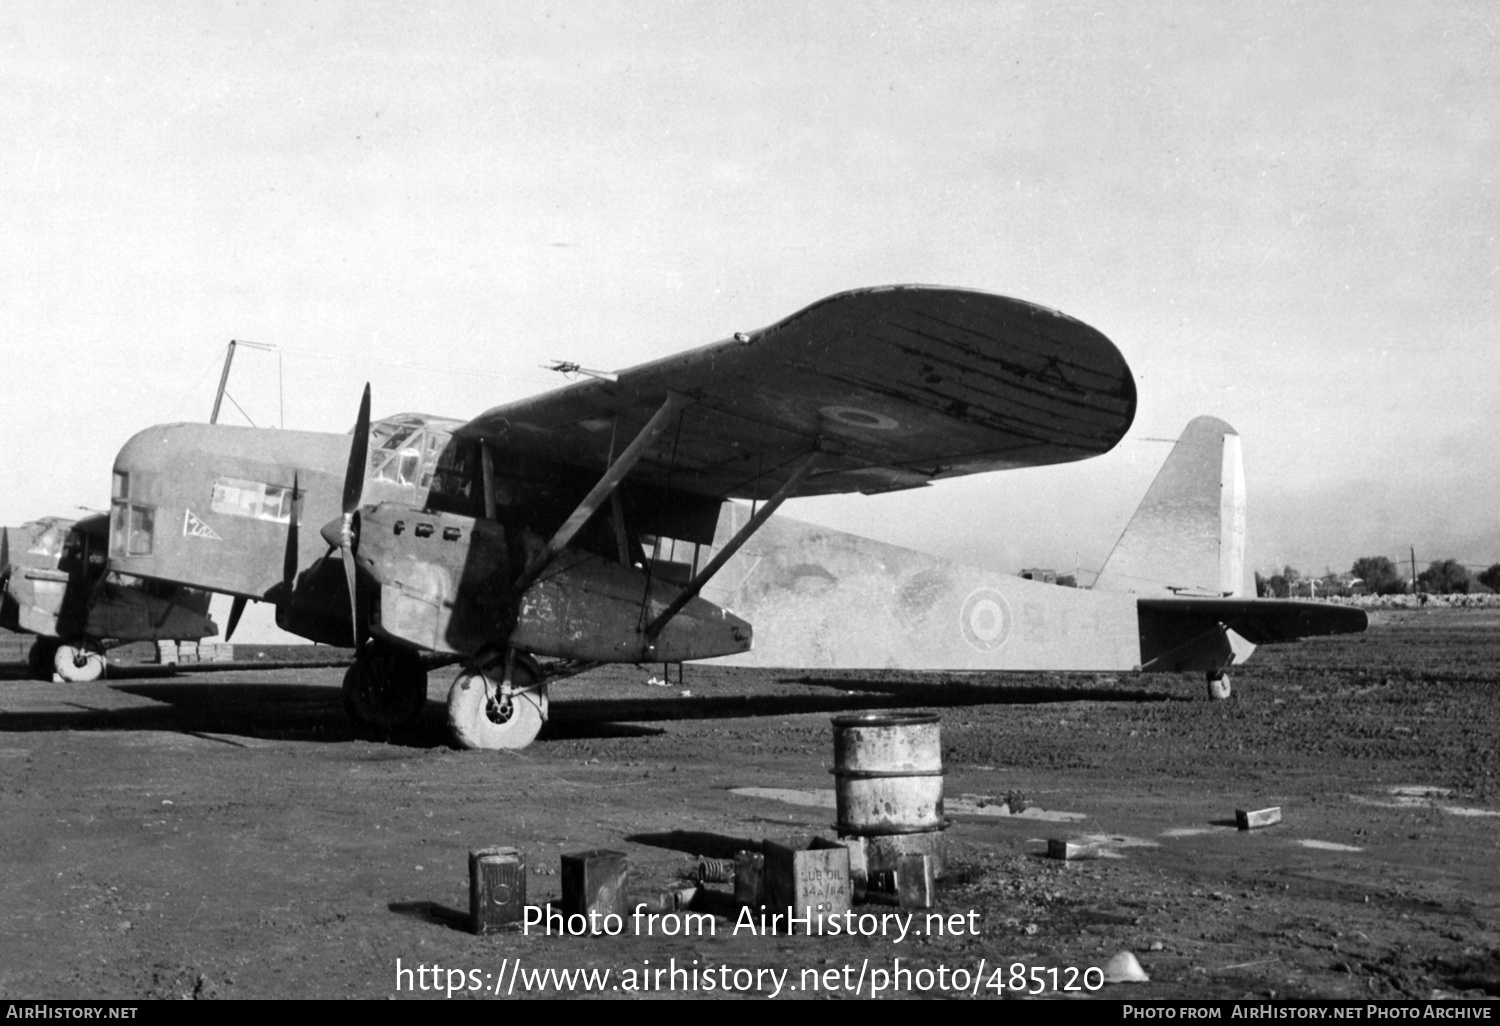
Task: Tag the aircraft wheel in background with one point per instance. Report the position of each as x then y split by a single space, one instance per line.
78 663
479 717
39 658
1219 688
385 687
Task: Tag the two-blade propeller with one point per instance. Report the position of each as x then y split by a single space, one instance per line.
289 562
236 610
289 558
343 534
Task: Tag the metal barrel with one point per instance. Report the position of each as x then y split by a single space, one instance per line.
888 769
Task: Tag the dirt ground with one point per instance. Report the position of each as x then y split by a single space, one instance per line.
225 834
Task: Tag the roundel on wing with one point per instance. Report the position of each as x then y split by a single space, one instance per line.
985 619
852 416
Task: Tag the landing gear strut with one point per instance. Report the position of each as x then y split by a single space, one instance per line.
1218 685
385 688
487 711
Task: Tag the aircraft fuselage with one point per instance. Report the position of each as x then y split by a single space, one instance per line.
442 541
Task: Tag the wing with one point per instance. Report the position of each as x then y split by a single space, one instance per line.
897 386
1263 621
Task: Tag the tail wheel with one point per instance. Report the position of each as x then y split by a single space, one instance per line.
40 656
481 714
385 688
1218 687
78 663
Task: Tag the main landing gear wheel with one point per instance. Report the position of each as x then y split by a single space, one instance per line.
385 688
78 663
1218 687
481 714
39 658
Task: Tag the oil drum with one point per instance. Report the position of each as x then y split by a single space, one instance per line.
888 772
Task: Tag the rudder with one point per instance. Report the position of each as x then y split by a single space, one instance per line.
1187 537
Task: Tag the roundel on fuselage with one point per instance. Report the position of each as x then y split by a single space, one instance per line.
985 619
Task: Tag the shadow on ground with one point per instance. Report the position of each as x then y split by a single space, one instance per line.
279 711
573 718
314 712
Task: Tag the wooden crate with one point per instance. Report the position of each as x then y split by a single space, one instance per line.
807 878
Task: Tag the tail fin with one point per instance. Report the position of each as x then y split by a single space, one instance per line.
1188 536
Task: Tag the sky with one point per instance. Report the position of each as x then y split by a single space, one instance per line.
1283 214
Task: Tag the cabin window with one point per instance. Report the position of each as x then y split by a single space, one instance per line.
401 468
50 541
404 449
436 442
142 528
458 480
411 463
255 499
120 486
82 552
131 529
118 514
672 559
396 452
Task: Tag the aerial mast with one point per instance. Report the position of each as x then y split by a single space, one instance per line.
213 418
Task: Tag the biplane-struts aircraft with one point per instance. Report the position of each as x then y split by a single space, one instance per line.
54 583
537 528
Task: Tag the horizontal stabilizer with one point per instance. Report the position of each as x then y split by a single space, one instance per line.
1263 621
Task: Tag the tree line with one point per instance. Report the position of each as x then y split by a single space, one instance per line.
1378 575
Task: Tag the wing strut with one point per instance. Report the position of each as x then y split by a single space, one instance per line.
601 492
694 586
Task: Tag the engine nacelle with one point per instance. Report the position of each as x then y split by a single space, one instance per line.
586 607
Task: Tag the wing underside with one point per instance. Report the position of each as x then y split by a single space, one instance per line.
895 387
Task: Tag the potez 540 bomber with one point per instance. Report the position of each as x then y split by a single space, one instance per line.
556 526
54 584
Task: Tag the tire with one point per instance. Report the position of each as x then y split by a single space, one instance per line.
385 689
475 722
78 664
1219 688
39 658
